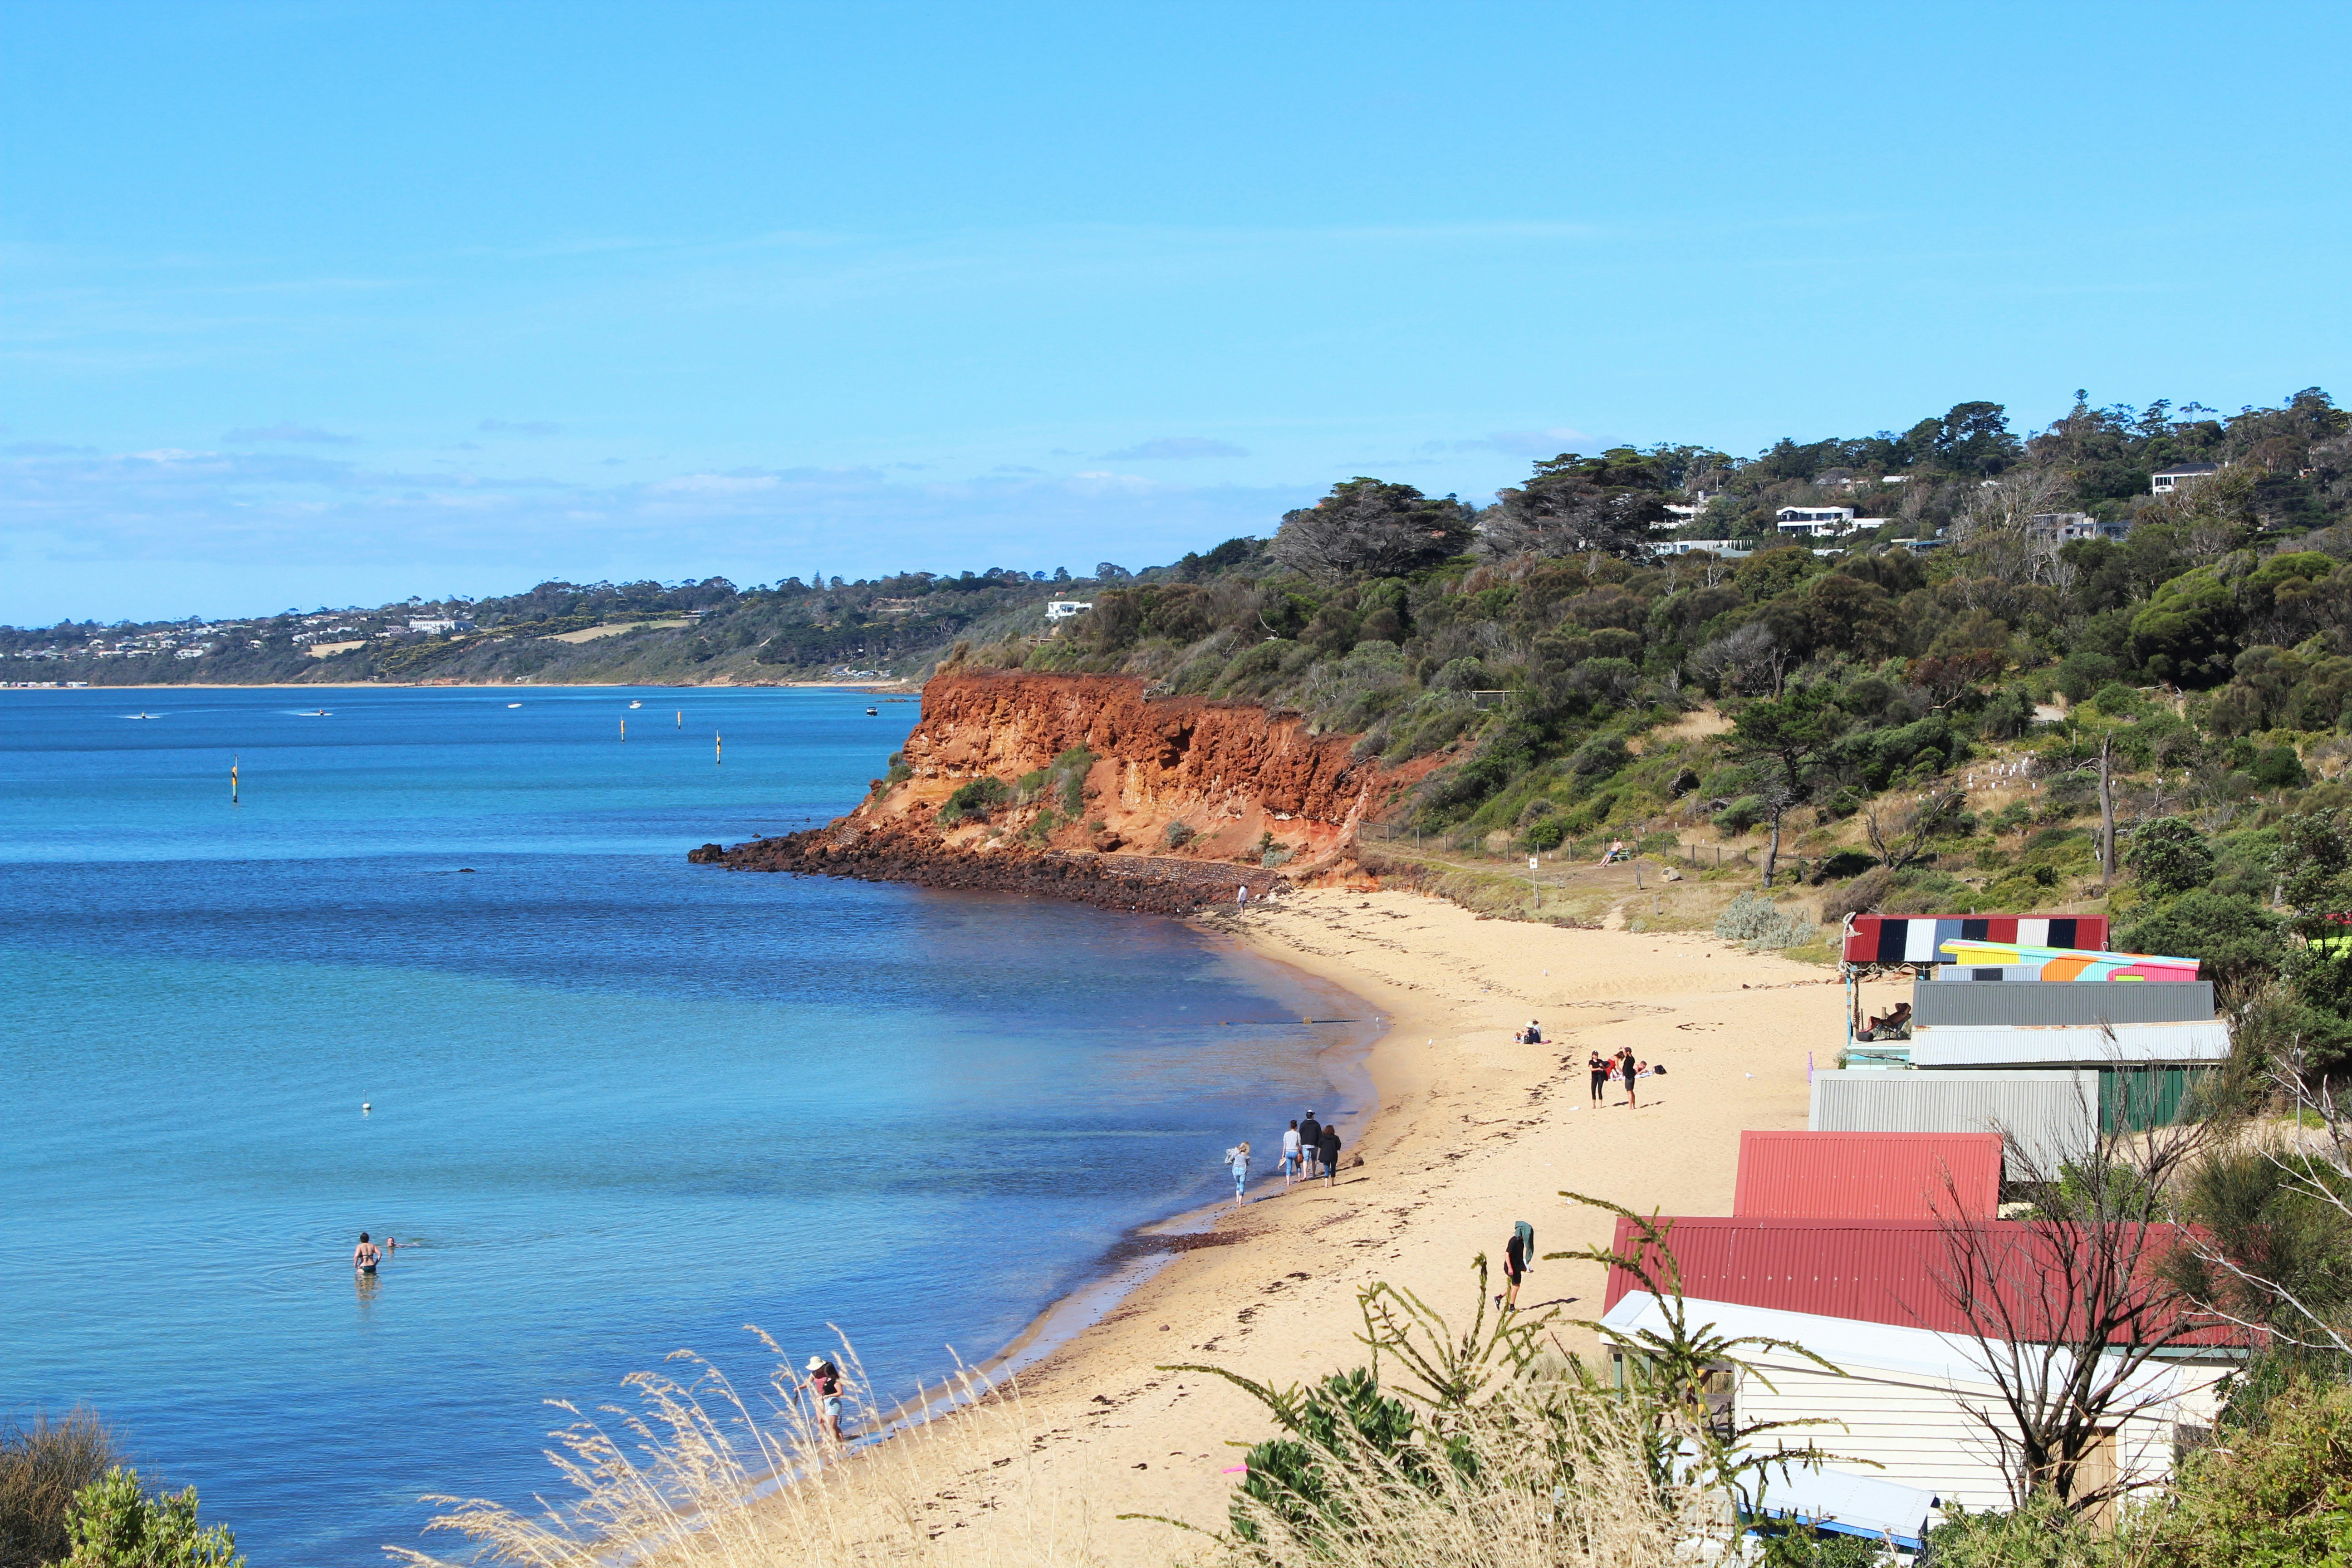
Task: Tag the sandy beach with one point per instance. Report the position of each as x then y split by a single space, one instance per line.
1471 1133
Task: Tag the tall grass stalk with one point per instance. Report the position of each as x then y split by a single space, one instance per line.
41 1468
692 1476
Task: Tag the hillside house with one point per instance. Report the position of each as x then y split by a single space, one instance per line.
2166 481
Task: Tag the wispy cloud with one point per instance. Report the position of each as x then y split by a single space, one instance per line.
519 427
1549 443
1175 449
248 434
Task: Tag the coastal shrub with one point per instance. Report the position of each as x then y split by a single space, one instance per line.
1069 771
1753 919
1178 835
1741 815
1274 858
114 1523
1548 834
41 1468
974 800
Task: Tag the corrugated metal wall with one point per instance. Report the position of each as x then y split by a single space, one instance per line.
1868 1175
2133 1099
2049 1117
2036 1045
1936 1004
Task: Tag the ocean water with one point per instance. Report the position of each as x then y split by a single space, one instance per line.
621 1105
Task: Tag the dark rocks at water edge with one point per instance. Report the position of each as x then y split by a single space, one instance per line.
1149 883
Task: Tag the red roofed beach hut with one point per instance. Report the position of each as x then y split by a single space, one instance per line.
1883 1271
1868 1175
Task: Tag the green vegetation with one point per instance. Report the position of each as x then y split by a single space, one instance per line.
115 1523
975 800
42 1467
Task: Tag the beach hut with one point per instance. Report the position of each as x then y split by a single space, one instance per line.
1868 1175
2056 963
2049 1117
1918 939
1919 1402
2070 1045
1935 1004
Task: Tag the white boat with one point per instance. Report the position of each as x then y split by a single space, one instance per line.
514 704
636 704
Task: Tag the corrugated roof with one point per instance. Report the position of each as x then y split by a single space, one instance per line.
2049 1117
1868 1175
1882 1272
2033 1045
1936 1004
1916 939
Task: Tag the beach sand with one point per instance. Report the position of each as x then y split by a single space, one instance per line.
1471 1133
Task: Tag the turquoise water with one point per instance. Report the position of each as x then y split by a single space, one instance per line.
621 1105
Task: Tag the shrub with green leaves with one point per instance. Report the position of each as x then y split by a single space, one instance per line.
974 800
2170 856
42 1467
1755 921
114 1523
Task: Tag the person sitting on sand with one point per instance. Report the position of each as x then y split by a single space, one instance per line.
1534 1034
1330 1152
823 1384
366 1254
1290 1156
1311 1142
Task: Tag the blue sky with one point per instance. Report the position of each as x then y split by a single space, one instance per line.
306 303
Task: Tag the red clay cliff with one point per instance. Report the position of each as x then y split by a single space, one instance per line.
1181 800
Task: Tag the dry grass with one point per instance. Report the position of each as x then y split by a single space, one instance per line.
693 1476
1539 1476
41 1468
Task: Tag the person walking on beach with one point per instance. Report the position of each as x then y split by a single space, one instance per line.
1632 1070
1238 1158
1518 1253
824 1384
366 1254
1290 1156
1329 1148
1310 1141
1600 1071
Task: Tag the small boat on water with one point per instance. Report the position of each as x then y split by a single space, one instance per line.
142 714
514 704
636 704
317 713
873 711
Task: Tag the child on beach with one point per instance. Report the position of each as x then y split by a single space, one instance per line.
1290 1156
1238 1158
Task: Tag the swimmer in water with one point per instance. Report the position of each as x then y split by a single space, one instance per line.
366 1254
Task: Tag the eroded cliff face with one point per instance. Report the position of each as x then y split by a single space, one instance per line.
1238 786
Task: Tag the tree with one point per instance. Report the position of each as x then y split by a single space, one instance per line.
1573 504
1368 527
2235 940
1787 733
2068 1309
1900 830
2170 856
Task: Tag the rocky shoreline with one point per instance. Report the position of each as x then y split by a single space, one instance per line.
1147 884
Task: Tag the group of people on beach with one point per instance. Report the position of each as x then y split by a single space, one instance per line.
1309 1149
1621 1065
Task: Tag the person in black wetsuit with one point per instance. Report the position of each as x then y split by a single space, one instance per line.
1310 1143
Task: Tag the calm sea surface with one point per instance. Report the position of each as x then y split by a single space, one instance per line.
621 1105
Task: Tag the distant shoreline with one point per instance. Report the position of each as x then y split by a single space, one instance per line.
893 687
